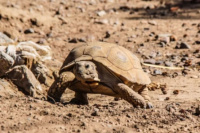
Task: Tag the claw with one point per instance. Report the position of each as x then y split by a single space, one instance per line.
149 105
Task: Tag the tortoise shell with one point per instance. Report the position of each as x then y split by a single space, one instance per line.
120 61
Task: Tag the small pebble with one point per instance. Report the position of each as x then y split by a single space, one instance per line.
103 21
162 44
164 39
197 42
5 39
159 62
157 72
101 13
167 98
173 38
29 31
194 76
197 110
176 92
152 22
182 45
150 61
73 40
168 63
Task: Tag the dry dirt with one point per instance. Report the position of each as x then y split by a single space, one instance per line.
138 25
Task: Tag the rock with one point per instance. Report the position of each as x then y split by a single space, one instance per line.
11 51
194 76
153 55
159 62
107 34
103 21
152 22
185 35
173 38
117 22
50 34
92 2
7 34
183 24
197 110
101 13
171 108
133 36
176 92
164 39
130 39
150 6
40 71
44 112
5 39
35 22
167 98
169 64
7 88
151 34
6 62
90 38
146 29
174 75
41 41
142 45
110 1
95 112
19 61
182 45
157 72
163 88
73 40
197 42
150 61
124 8
29 31
181 118
162 44
165 34
22 77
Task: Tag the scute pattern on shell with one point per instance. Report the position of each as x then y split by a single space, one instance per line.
117 59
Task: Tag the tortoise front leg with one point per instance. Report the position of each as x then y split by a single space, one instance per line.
144 93
60 84
129 95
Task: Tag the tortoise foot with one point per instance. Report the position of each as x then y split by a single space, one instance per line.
78 101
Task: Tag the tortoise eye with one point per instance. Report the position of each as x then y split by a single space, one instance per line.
87 66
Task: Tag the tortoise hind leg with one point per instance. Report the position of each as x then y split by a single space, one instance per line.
80 98
129 95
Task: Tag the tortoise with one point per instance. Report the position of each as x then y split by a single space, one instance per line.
102 68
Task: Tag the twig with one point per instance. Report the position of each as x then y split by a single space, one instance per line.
164 67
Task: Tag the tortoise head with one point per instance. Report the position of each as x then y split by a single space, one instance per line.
85 71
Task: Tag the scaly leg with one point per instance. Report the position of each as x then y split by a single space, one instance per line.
130 95
60 84
144 93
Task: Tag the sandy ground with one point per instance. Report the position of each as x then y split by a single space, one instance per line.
162 33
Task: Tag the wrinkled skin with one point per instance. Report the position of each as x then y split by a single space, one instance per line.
87 77
85 71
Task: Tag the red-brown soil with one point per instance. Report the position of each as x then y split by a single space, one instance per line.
134 24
